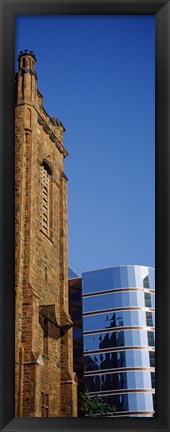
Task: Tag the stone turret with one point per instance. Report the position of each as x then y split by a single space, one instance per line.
26 78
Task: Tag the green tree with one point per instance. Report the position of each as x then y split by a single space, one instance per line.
95 407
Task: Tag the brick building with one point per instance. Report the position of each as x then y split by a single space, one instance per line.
45 382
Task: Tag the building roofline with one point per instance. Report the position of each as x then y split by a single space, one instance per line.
121 265
78 277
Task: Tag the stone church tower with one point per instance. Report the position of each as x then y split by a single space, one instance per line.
45 382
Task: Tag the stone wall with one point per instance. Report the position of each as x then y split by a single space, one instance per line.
41 260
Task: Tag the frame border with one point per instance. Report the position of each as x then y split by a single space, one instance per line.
8 10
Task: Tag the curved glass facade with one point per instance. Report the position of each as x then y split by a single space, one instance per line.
119 337
125 338
116 300
125 318
118 277
119 359
132 402
119 381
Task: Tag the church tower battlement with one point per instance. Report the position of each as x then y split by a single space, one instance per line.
26 77
45 382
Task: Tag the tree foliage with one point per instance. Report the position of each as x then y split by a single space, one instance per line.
95 407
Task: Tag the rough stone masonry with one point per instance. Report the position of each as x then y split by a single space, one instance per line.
45 382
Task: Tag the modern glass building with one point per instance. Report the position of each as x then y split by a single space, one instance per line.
119 337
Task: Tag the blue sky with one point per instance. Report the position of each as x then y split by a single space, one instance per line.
96 74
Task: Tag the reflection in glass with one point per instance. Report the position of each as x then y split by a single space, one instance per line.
117 300
119 359
120 339
122 380
120 318
97 341
118 277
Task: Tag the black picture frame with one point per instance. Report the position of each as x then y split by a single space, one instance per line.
8 10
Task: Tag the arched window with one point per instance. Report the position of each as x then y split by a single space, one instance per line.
46 199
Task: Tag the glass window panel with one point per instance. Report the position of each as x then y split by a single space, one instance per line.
153 379
145 360
118 277
147 299
152 358
152 278
139 380
140 401
118 381
146 282
118 319
149 319
143 338
153 318
138 274
129 358
133 402
131 276
144 274
118 338
153 300
124 276
113 301
137 358
151 338
147 379
140 299
132 298
98 280
131 379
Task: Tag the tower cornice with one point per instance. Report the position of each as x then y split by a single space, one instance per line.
52 135
46 122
